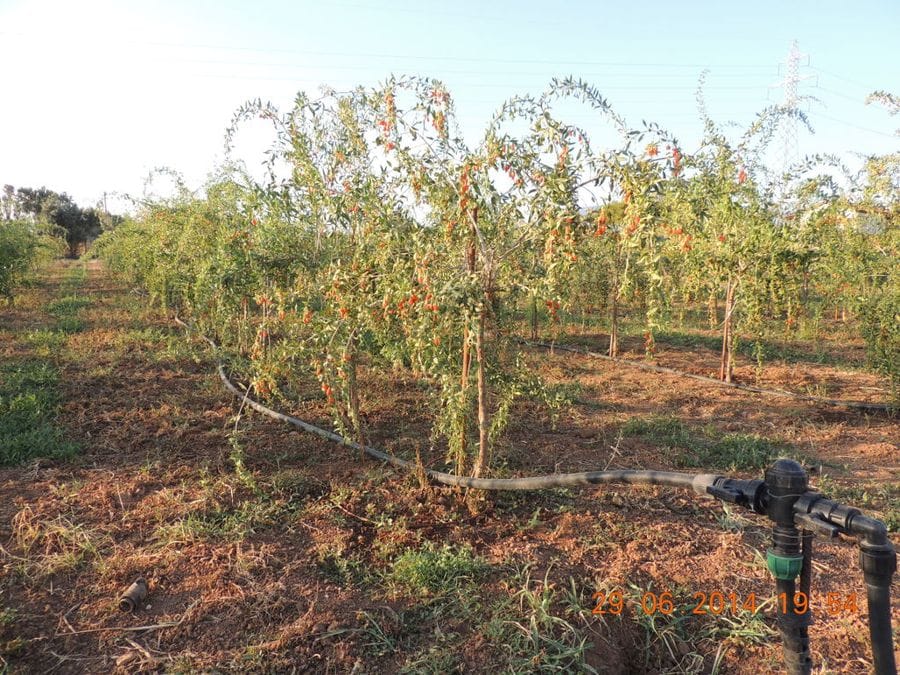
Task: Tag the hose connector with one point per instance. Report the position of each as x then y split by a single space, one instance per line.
747 493
785 567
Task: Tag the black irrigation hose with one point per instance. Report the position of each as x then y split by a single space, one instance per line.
877 553
860 405
697 482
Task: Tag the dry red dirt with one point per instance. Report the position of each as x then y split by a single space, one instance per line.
247 576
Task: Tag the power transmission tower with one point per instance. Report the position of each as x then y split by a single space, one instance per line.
790 83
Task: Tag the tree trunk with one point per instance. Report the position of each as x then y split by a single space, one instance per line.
614 316
726 366
713 309
464 386
482 459
614 327
353 391
466 350
534 318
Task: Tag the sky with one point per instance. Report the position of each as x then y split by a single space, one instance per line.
96 93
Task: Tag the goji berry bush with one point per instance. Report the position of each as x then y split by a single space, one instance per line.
380 238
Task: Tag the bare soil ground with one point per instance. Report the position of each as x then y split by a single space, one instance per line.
267 550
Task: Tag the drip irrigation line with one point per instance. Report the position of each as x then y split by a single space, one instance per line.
861 405
696 482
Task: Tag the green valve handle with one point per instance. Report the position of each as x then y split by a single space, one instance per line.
785 567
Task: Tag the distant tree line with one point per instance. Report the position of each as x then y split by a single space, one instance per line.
55 213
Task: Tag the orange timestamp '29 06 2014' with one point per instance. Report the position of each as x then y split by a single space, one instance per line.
717 603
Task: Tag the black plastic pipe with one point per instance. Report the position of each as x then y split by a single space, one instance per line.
697 482
878 598
878 560
783 496
794 629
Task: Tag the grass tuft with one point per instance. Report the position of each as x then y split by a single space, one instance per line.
707 447
436 571
55 545
29 405
534 636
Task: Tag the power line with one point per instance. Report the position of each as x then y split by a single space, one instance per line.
506 19
857 126
845 79
855 99
416 57
499 73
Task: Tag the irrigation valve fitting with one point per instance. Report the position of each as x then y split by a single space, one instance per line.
797 513
785 482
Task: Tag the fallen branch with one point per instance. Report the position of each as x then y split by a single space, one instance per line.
137 629
129 629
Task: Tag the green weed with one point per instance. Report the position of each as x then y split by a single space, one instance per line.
65 312
431 570
271 504
379 638
677 640
67 306
533 637
29 394
65 309
45 342
342 569
29 405
8 616
226 523
435 660
707 447
56 545
767 350
389 631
